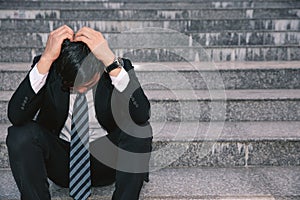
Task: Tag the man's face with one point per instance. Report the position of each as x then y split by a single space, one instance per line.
88 85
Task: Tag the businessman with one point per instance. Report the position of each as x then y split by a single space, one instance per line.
76 82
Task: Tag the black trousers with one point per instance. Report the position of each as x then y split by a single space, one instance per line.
35 155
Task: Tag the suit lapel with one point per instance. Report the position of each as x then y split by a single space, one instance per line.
60 99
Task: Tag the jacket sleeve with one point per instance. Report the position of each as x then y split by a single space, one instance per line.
133 97
25 103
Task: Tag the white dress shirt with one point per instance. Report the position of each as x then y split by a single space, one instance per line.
120 82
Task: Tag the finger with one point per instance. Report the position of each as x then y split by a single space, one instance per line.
82 39
64 36
60 28
64 30
68 28
83 34
86 31
68 36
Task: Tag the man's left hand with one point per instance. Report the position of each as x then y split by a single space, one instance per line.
97 44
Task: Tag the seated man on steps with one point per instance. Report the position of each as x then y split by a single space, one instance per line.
51 113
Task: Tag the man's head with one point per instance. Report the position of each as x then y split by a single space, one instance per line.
77 66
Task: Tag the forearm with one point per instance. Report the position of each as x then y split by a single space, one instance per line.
44 65
139 106
24 103
133 97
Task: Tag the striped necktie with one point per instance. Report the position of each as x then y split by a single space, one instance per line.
80 181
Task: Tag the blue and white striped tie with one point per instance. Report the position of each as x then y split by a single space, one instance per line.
80 181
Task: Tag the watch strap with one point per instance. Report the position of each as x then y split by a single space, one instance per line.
118 62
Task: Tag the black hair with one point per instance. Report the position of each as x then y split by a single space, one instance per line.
76 64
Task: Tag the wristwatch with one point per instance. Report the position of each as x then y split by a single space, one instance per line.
118 62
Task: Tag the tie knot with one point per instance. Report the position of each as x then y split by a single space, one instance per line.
80 96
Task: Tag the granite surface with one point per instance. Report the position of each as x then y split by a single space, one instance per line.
228 79
162 38
230 105
191 76
216 54
171 14
274 153
178 54
10 80
261 183
246 38
168 5
229 110
153 14
193 144
45 26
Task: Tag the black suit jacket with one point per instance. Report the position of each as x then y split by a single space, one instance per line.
50 105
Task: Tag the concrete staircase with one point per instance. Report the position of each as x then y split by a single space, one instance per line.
223 78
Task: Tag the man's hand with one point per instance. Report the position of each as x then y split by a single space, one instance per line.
97 44
53 47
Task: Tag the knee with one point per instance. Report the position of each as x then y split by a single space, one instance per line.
20 136
136 145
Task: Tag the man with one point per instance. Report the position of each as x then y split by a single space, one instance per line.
51 114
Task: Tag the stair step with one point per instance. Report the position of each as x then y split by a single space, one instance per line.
162 38
147 5
216 105
131 14
229 144
179 54
259 183
65 5
41 25
187 76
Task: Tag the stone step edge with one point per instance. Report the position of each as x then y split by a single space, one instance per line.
177 47
180 66
247 183
54 9
195 47
155 2
152 1
154 20
210 95
182 132
99 19
146 7
152 30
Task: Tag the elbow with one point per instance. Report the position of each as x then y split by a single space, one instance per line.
142 116
14 119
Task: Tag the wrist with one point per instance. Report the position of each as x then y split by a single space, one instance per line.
108 59
44 65
115 67
115 72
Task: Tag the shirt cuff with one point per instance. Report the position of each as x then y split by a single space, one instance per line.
121 81
37 80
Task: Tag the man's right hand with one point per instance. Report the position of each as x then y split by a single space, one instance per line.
53 47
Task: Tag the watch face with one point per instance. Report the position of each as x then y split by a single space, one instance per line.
121 63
